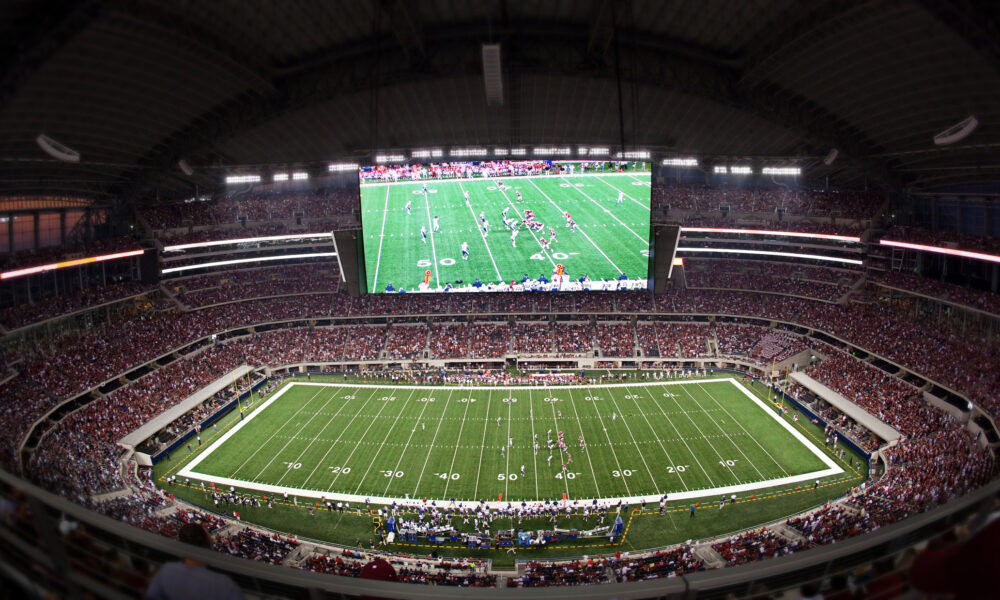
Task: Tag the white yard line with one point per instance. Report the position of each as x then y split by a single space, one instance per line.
613 215
483 445
433 440
408 440
482 235
642 455
561 211
381 236
458 442
611 445
430 234
586 449
507 453
751 436
562 461
534 454
268 441
334 444
681 436
358 445
298 458
375 454
623 191
725 433
670 460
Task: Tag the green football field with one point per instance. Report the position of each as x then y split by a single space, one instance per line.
688 439
610 239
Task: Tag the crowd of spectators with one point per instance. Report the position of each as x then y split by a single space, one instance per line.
809 282
670 563
935 461
978 299
616 339
755 545
405 341
13 317
242 284
705 199
256 545
271 205
882 395
576 572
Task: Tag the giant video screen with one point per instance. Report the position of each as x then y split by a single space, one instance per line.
506 226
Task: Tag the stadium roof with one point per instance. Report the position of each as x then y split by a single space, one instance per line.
135 86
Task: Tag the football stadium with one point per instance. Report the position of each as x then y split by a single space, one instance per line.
421 299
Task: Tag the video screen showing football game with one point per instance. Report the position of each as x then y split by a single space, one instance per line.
506 226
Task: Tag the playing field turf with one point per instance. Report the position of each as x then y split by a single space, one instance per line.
688 439
610 239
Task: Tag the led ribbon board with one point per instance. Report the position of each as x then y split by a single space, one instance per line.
236 261
269 238
795 234
68 263
939 250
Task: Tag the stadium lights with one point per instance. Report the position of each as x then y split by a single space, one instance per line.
549 151
849 261
782 171
242 179
633 154
281 177
68 263
680 162
720 170
336 167
434 153
468 152
500 152
300 176
518 151
594 151
799 234
269 238
740 170
678 262
939 250
237 261
389 158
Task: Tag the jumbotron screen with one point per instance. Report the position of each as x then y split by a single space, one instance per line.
506 226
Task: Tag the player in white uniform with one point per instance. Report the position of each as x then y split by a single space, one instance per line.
466 192
425 188
408 204
465 256
504 212
486 228
437 226
513 237
423 234
621 197
482 216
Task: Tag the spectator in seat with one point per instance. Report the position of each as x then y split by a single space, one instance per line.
190 578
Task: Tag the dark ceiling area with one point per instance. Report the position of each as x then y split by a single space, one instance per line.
135 86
